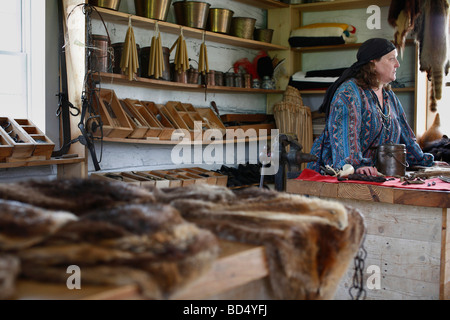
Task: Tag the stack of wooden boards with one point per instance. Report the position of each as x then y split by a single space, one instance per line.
136 119
166 178
21 140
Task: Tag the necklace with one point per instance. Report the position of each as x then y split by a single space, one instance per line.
384 117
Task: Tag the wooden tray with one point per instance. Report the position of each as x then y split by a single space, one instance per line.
212 120
6 149
155 127
115 121
44 146
21 150
139 125
167 127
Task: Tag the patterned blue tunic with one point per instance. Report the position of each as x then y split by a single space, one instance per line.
355 128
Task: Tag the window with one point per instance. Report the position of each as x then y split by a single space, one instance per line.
22 60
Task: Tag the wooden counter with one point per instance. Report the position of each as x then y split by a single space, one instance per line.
240 267
407 238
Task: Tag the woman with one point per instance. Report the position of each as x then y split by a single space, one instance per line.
363 113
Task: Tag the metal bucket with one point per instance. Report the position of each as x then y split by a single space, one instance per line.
145 60
108 4
219 20
243 27
391 159
264 35
153 9
118 49
192 14
100 59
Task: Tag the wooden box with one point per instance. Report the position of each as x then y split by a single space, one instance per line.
44 146
190 175
158 181
113 176
167 127
212 120
174 181
115 121
138 124
15 135
155 128
6 149
251 124
214 178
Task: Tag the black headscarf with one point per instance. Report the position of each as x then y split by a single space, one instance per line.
371 49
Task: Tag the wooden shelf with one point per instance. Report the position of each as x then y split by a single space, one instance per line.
347 46
36 163
237 265
137 21
339 5
169 85
191 142
265 4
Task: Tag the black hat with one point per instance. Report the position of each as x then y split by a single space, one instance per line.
371 49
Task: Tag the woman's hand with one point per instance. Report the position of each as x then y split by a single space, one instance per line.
368 171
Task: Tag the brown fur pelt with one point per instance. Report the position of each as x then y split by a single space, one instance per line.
401 16
309 242
74 195
114 238
432 134
431 31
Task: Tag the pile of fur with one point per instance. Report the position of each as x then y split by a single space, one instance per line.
163 239
115 233
309 242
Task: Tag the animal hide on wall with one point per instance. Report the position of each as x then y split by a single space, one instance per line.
430 25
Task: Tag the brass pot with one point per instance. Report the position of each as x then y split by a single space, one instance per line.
153 9
192 14
243 27
219 20
264 35
108 4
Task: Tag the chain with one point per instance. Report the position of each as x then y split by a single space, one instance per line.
358 275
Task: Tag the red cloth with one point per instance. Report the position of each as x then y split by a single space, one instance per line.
311 175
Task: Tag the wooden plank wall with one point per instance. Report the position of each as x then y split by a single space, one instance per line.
406 246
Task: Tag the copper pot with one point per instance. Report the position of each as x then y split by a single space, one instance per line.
108 4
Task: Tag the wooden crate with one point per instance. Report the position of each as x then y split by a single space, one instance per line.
167 127
251 124
115 121
44 146
140 127
174 181
213 178
155 128
6 149
213 121
11 130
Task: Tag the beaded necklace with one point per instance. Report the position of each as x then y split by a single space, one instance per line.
384 117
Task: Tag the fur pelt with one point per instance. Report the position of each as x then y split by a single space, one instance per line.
428 21
432 134
74 195
432 31
121 242
309 242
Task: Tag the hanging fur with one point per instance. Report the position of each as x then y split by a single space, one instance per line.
401 16
431 32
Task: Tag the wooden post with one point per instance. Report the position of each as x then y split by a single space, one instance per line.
75 27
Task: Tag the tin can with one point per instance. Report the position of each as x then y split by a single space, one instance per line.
391 159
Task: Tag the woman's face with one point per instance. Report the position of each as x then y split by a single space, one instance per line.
386 67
